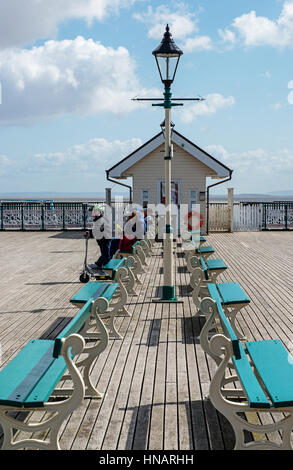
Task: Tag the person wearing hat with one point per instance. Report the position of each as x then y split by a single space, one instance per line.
102 233
133 230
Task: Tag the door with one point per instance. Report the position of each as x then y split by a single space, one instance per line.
175 192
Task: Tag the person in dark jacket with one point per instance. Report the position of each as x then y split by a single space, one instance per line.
102 232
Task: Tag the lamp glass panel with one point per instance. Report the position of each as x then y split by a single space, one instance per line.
167 66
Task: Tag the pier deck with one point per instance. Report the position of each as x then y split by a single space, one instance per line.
156 379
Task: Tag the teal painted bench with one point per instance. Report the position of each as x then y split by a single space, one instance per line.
232 298
230 294
204 251
261 378
108 291
195 247
138 257
29 382
197 237
120 270
212 268
112 267
89 324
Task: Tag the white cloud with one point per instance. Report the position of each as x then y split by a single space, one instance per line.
93 157
212 104
79 168
22 22
182 23
267 74
259 30
257 162
183 26
67 77
290 96
6 165
258 170
197 43
227 35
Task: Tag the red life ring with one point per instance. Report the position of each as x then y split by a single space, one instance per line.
199 216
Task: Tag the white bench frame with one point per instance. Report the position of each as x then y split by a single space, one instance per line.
226 398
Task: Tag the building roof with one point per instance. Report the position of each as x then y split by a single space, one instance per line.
120 170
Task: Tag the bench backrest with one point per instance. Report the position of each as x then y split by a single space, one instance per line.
73 326
196 236
204 268
77 322
110 291
114 264
228 330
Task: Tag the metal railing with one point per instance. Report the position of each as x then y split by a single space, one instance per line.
252 216
23 215
49 215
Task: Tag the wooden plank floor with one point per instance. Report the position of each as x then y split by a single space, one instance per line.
156 379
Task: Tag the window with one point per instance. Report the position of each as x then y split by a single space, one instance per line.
145 198
192 197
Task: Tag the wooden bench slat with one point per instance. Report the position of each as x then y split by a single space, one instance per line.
88 291
215 264
73 326
204 268
275 367
214 293
47 383
110 291
93 290
21 374
228 330
255 394
212 265
205 249
114 264
232 293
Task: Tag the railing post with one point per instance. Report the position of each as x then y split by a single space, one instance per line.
43 216
22 221
108 196
84 210
230 209
2 216
63 217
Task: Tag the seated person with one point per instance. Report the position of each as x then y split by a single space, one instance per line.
133 227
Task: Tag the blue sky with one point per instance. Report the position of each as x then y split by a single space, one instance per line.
68 72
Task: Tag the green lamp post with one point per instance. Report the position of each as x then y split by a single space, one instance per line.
167 56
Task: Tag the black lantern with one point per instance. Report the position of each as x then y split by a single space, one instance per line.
167 56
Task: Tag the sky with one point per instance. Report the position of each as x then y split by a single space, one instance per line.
69 71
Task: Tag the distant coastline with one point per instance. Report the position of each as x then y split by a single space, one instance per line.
100 197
